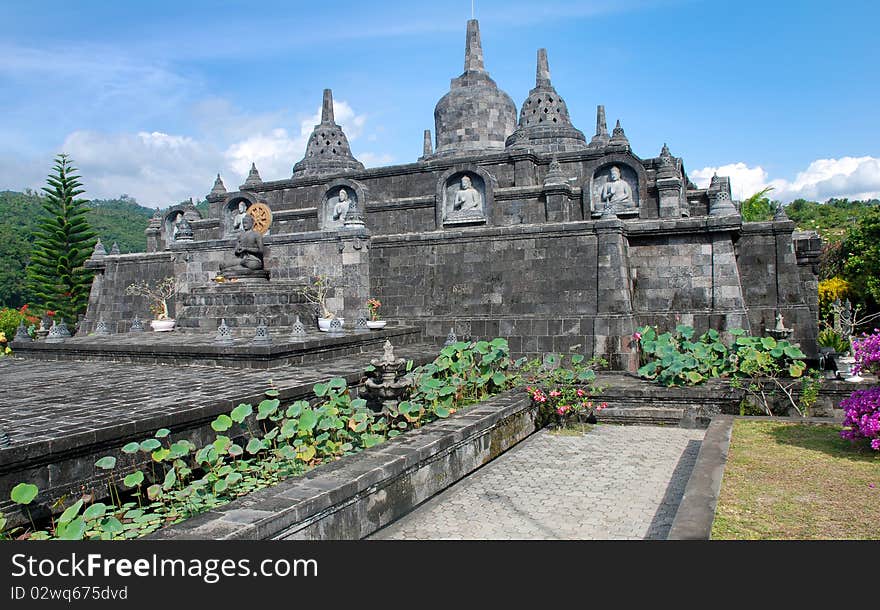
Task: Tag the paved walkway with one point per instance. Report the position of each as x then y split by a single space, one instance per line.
615 482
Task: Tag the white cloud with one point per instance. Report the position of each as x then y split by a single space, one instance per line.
276 150
850 177
370 159
160 169
155 168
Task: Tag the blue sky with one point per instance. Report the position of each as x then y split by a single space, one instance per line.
153 98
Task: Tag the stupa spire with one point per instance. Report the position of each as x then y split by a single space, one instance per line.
473 49
327 107
601 138
542 72
327 151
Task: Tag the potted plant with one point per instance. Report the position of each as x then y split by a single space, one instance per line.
835 347
316 294
374 322
158 293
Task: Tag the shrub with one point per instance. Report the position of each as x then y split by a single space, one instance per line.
757 365
563 391
866 352
830 290
862 416
828 337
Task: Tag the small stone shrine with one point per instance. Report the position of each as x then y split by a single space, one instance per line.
510 224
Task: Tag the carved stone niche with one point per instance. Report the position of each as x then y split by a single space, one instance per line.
342 205
617 184
464 197
233 213
171 224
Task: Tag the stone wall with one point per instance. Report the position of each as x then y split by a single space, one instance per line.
113 274
537 286
200 303
772 281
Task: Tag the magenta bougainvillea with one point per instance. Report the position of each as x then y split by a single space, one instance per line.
866 352
862 416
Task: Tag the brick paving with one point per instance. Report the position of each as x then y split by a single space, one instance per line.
614 482
48 400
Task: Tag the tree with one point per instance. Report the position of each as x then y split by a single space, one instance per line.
862 248
758 207
63 241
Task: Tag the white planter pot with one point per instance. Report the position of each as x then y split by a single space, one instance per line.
163 325
374 324
324 323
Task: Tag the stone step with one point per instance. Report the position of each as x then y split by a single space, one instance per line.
646 416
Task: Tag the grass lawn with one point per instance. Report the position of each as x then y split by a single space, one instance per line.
797 481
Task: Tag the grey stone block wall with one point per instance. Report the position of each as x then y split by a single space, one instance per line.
772 281
113 274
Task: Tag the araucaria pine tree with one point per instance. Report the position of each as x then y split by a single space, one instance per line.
63 242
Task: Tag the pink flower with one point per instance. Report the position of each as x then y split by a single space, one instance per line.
581 393
637 336
555 393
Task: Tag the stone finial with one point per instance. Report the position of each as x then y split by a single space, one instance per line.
55 335
544 122
361 322
99 250
667 168
101 328
156 220
4 438
327 107
261 335
618 137
184 231
224 334
555 175
253 178
298 330
62 329
450 338
601 138
780 213
137 326
328 150
542 72
114 249
219 188
21 333
473 48
427 146
720 203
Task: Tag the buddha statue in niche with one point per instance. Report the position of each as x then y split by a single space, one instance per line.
616 191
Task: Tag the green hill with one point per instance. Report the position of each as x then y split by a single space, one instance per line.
121 220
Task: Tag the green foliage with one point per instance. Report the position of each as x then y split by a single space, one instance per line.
119 220
24 493
861 249
831 219
63 242
673 358
562 387
763 367
254 449
20 214
758 207
828 337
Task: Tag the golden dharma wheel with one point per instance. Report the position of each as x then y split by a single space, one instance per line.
262 216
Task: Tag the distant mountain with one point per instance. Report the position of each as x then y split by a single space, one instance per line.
122 220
